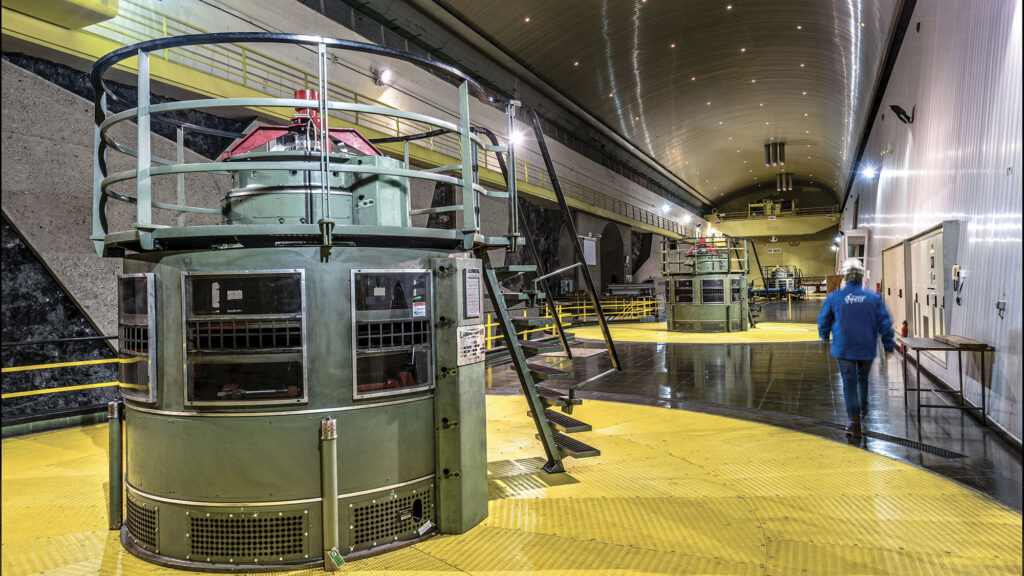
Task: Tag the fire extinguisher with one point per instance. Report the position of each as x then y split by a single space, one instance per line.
903 333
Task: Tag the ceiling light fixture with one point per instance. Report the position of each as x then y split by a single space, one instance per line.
527 19
673 45
799 27
743 49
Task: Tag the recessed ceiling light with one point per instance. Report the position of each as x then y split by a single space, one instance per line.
801 65
719 122
730 137
766 125
807 131
799 27
576 63
673 45
743 49
728 6
527 19
805 114
610 94
761 104
737 151
709 103
804 92
753 81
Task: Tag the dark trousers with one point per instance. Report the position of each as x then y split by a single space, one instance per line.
855 386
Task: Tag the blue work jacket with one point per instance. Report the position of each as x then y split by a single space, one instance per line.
855 318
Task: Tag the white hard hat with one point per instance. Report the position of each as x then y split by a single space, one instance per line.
852 265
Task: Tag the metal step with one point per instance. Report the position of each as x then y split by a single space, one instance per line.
545 372
515 298
505 272
572 447
566 423
521 322
549 398
533 347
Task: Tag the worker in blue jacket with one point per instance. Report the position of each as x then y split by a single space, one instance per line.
855 318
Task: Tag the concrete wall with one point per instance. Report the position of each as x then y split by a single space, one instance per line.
811 253
959 160
46 179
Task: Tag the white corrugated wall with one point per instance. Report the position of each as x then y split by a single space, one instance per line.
959 160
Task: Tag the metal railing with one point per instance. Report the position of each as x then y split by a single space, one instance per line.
149 166
253 69
676 256
816 211
578 312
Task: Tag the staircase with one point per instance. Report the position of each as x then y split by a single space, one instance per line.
549 407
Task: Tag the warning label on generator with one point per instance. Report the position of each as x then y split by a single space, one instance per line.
472 345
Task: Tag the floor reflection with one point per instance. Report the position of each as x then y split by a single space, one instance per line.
753 381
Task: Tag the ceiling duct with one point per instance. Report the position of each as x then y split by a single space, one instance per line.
783 181
775 154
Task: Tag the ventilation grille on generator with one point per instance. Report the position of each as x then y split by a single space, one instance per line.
684 291
712 326
254 334
684 326
712 291
141 520
134 338
392 333
388 519
247 539
736 283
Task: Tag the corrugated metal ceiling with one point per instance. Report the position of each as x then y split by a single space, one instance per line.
703 85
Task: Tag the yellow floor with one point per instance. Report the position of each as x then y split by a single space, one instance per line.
672 493
658 332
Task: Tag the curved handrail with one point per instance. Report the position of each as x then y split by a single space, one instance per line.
101 66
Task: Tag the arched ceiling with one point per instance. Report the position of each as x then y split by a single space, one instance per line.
702 85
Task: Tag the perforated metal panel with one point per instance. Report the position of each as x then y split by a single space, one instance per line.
383 520
142 524
712 326
233 538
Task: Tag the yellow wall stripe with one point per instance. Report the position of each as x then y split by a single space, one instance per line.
61 389
58 365
76 363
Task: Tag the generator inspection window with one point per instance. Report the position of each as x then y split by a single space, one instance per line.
245 337
392 332
136 336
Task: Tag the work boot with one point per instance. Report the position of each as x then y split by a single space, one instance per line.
853 430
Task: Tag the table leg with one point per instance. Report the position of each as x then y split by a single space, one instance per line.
960 366
984 411
904 346
918 391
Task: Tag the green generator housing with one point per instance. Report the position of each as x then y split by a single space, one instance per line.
707 284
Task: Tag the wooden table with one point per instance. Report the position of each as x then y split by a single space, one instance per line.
946 343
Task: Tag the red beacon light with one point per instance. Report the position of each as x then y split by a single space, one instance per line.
303 134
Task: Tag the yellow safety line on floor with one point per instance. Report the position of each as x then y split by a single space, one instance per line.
66 364
673 492
658 332
55 390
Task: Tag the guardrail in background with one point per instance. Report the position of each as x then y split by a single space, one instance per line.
576 313
818 211
259 71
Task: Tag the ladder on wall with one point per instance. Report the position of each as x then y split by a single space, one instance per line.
549 407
